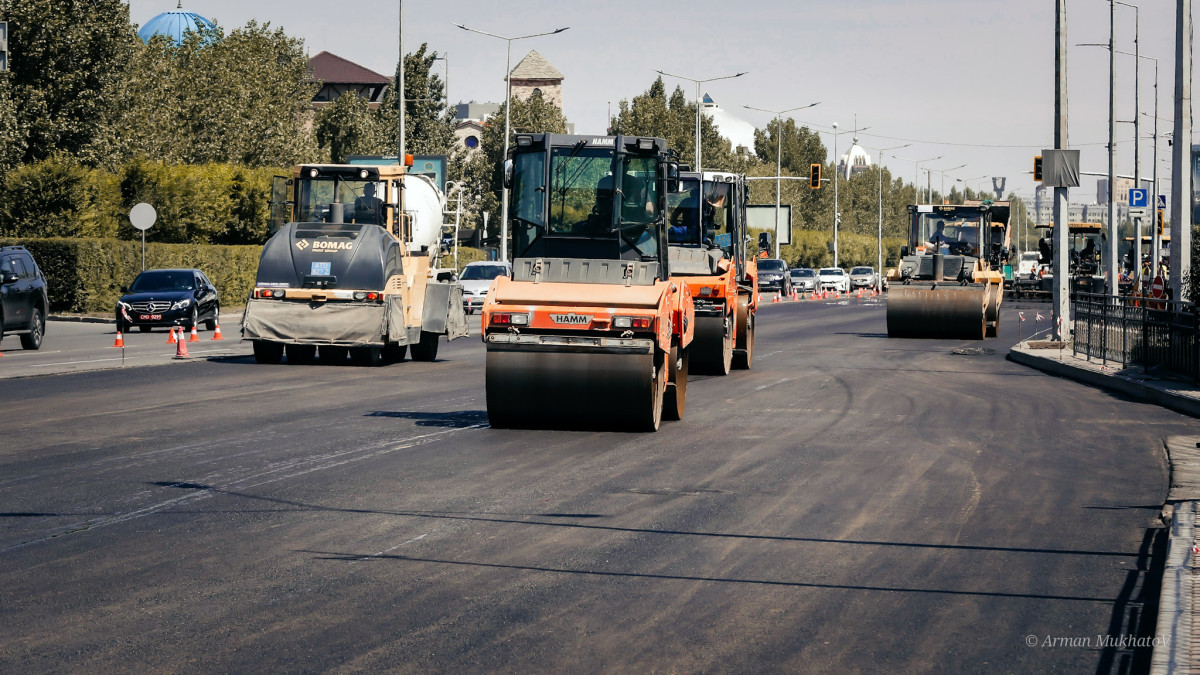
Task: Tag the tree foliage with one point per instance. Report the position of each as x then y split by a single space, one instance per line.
66 57
652 113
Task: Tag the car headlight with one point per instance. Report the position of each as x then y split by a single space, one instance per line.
182 304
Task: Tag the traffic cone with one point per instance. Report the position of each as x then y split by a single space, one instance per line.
775 298
171 337
120 341
194 337
217 333
181 351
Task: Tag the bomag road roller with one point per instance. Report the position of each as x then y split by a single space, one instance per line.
949 282
706 231
347 270
590 331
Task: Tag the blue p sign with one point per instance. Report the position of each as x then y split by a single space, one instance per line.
1138 198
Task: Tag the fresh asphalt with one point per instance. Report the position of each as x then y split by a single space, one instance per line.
852 503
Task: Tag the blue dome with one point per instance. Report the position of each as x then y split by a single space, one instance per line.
174 25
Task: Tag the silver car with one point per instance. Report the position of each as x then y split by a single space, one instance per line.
804 279
476 279
863 277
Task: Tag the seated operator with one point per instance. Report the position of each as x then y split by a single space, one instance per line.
939 236
684 227
366 207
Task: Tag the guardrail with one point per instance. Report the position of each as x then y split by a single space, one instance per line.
1132 330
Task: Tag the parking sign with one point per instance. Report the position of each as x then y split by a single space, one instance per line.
1139 198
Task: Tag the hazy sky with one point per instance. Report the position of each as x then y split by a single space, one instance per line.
970 81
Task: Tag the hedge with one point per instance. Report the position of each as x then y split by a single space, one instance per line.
86 275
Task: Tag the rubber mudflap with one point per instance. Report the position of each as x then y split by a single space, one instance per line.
710 353
568 390
948 311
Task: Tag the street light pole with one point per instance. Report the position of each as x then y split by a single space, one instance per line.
879 240
507 115
778 159
943 172
1181 160
837 213
699 104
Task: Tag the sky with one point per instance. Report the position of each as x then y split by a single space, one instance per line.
970 82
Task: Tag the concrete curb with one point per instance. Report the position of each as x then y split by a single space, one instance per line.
1175 603
1156 393
79 319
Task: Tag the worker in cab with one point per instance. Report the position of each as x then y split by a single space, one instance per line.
366 207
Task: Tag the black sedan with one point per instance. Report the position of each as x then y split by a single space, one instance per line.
168 298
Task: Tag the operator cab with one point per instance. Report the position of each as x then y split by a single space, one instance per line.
702 221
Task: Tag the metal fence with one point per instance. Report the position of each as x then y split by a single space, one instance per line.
1139 331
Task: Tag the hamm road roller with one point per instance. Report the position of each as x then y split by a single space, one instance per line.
590 332
707 236
949 282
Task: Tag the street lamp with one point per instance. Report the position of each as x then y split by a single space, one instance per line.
879 242
778 158
943 172
698 106
917 176
507 114
968 181
837 214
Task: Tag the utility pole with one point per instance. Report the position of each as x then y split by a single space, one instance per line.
1111 262
1062 300
1181 155
400 84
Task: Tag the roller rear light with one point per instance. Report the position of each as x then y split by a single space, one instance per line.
268 293
633 322
509 319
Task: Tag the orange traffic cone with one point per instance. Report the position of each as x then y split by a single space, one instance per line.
171 336
775 298
120 341
181 351
217 333
194 337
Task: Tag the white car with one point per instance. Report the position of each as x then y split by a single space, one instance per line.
1028 265
476 279
834 279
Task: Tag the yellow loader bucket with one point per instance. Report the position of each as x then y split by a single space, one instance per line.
942 310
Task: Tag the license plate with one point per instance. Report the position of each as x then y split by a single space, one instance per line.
150 317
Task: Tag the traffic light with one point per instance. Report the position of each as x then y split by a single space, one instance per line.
3 46
1037 168
1160 222
814 176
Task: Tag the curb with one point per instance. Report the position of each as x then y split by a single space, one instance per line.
1175 600
1182 404
79 319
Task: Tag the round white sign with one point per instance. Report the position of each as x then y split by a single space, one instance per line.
143 216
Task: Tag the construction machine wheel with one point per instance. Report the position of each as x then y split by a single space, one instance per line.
558 389
712 345
743 353
334 356
367 356
300 354
938 310
675 400
394 353
268 352
427 348
993 311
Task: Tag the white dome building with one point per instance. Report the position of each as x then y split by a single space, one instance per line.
855 160
739 132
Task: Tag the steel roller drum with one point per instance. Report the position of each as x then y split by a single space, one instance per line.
710 353
562 389
946 310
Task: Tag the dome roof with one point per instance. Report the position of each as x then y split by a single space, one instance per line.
174 25
739 132
855 160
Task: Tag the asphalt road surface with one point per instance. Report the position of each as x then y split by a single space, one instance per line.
852 503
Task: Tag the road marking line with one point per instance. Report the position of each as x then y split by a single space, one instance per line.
786 379
389 550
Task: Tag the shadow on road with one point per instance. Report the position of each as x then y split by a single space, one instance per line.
452 420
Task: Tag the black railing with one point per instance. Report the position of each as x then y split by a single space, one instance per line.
1139 331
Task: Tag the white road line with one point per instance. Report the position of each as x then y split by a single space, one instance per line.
389 550
786 379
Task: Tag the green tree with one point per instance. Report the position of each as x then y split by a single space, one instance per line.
428 120
348 127
242 98
65 58
673 118
12 134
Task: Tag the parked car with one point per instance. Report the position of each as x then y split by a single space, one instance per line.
834 279
863 277
24 301
804 279
476 279
183 297
773 276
